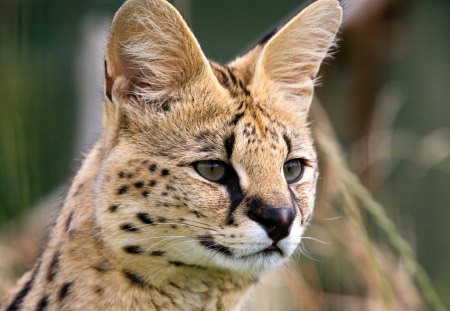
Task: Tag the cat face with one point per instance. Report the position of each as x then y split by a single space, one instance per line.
208 166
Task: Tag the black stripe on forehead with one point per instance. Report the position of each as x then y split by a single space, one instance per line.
232 76
228 79
229 145
288 142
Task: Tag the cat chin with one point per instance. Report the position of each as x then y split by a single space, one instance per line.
254 264
252 261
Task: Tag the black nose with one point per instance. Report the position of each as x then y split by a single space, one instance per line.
276 221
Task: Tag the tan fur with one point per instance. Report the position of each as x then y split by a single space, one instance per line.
130 233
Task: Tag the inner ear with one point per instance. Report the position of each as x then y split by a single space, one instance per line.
289 62
151 54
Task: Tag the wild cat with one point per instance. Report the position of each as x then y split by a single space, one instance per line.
204 175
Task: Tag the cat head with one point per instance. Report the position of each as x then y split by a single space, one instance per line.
206 165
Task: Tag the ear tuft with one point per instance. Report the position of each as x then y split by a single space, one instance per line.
291 59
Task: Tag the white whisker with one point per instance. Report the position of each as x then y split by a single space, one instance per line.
316 240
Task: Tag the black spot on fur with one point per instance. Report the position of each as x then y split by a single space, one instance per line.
113 208
129 227
121 174
133 249
43 304
165 172
145 218
152 183
157 253
139 184
122 189
64 290
145 193
164 193
134 278
178 263
153 167
208 242
53 267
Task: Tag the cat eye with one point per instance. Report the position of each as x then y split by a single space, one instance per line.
293 170
211 170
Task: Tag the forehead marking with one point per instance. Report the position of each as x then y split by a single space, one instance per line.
229 145
288 142
229 80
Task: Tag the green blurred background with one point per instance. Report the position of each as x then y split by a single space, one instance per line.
386 90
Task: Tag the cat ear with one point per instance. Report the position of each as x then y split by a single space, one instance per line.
151 53
289 62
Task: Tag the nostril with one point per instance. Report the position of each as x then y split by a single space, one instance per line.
276 222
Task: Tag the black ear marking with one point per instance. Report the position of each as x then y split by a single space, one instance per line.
108 84
268 36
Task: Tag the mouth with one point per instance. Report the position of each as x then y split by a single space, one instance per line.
269 251
209 243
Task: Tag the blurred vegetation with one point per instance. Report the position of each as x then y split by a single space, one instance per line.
386 93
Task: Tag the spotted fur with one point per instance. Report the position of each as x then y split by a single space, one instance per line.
140 229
